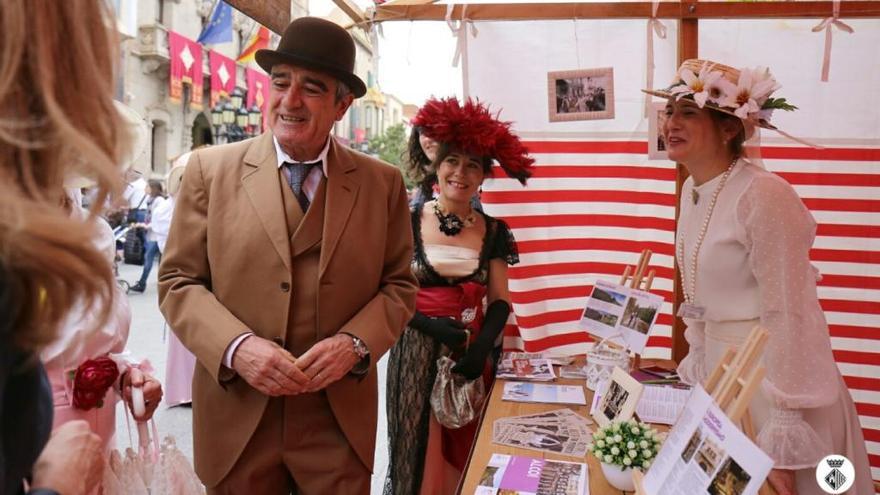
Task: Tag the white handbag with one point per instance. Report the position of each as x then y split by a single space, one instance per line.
602 359
152 470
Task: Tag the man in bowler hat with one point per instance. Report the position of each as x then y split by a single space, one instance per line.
287 274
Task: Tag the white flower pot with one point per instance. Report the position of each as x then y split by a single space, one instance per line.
618 477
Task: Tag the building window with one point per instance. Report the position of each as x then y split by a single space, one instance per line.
160 11
369 122
159 148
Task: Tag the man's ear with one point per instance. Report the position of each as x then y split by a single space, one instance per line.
343 105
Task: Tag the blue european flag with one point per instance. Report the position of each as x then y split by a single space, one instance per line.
219 28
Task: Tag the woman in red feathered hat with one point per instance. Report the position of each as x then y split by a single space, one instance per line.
419 161
461 257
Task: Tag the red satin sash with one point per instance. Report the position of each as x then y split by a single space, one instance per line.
453 301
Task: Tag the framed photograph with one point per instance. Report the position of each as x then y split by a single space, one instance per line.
586 94
656 119
619 398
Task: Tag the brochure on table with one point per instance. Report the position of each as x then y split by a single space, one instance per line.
538 392
614 309
513 367
706 453
513 474
561 432
661 404
557 360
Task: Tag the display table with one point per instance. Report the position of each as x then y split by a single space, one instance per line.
496 409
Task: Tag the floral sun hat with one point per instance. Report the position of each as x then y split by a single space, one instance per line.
745 93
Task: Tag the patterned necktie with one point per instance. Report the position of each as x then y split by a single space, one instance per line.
297 173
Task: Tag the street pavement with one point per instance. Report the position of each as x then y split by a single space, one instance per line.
147 340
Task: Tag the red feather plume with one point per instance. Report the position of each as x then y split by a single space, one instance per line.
470 128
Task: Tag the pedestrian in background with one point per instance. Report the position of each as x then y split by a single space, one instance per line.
152 250
180 364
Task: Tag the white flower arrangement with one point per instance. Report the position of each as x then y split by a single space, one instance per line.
748 99
626 444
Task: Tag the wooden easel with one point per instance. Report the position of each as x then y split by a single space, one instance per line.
638 279
732 384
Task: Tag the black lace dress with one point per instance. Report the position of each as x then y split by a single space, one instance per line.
412 363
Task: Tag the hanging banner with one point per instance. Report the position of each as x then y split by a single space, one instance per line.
222 76
186 67
258 92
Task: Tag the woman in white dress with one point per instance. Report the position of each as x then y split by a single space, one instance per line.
742 247
181 362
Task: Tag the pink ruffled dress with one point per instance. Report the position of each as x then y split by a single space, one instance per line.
754 268
78 341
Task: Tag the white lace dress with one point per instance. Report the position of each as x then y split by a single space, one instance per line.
753 268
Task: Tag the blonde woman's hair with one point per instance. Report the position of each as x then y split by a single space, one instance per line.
57 121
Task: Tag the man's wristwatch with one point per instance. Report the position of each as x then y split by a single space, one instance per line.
360 348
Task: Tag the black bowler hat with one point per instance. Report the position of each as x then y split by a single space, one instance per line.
319 45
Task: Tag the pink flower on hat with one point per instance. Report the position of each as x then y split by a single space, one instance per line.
703 85
752 90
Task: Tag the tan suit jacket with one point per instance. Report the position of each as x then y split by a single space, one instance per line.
227 270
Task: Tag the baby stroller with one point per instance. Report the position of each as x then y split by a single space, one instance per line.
119 234
133 244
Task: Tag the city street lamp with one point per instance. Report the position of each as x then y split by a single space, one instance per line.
236 97
234 122
255 117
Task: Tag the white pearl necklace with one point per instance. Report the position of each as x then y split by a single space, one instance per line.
690 295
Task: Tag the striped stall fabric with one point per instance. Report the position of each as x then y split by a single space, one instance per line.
591 207
588 211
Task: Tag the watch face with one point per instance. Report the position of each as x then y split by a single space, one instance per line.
360 348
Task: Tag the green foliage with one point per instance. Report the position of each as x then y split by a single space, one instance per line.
778 104
626 444
390 147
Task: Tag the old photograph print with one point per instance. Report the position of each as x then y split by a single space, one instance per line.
731 479
586 94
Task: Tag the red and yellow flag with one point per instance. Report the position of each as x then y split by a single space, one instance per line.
258 41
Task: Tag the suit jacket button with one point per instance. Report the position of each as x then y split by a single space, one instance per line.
285 287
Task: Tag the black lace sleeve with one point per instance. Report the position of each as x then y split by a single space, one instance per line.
503 243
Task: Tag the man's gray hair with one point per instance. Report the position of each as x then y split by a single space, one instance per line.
342 90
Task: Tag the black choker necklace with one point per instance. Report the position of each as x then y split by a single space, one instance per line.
450 223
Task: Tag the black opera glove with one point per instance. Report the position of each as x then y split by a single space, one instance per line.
445 330
473 362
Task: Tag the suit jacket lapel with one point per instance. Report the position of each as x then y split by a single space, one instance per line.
260 181
342 191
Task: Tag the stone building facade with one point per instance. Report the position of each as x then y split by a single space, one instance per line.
177 127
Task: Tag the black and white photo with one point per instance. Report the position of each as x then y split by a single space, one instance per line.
586 94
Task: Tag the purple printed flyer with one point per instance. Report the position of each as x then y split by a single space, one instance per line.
523 474
520 475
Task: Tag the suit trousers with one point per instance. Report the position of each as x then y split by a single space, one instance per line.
297 448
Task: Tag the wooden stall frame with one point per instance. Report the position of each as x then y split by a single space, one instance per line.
419 10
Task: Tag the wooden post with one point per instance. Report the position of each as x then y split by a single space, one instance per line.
688 47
